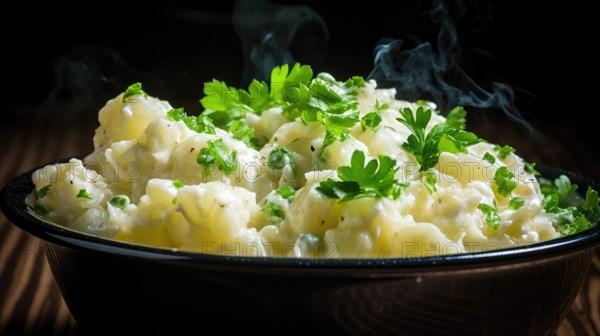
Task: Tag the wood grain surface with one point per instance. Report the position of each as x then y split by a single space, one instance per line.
30 302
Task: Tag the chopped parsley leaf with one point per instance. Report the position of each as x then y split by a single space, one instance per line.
177 184
38 209
241 131
355 81
504 151
489 158
380 107
84 194
370 120
218 154
574 224
503 181
457 118
529 167
492 218
516 202
550 203
134 90
199 124
275 211
430 181
44 191
286 192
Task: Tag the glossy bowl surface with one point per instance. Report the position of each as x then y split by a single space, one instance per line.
113 287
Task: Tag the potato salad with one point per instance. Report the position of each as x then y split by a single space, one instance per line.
304 166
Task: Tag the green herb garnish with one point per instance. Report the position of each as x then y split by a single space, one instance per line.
430 181
426 148
503 181
380 107
376 179
491 215
44 191
529 167
134 90
199 124
218 154
38 209
241 131
457 118
177 184
504 151
276 212
370 120
286 192
355 81
572 213
516 202
84 194
489 158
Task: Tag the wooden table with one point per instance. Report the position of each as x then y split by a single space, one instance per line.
30 302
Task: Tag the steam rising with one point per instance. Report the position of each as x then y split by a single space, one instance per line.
421 73
268 32
84 78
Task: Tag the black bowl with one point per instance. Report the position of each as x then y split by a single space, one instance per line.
113 287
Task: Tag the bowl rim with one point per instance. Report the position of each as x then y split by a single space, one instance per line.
12 203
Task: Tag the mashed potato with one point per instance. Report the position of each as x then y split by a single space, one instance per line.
145 184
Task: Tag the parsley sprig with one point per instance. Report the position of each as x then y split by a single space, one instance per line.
375 180
427 147
296 92
572 214
224 104
324 103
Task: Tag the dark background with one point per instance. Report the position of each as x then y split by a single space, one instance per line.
62 62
